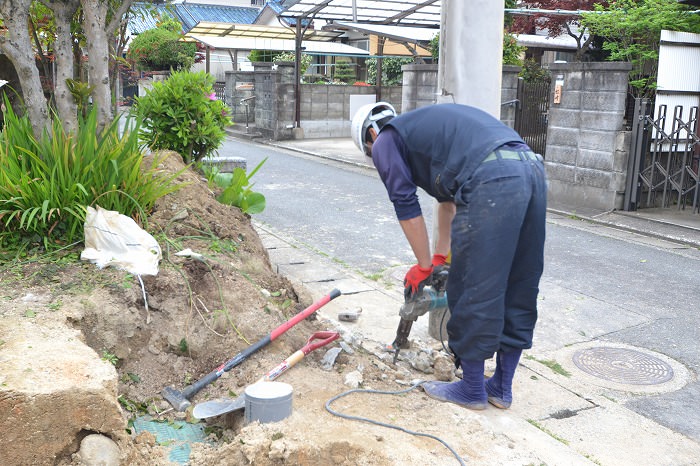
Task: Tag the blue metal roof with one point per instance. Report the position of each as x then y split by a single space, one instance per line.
142 20
191 13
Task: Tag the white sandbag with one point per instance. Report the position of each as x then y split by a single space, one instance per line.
115 239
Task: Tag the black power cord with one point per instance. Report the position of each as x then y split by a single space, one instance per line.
390 426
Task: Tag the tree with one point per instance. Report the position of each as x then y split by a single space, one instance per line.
557 24
631 31
161 48
97 19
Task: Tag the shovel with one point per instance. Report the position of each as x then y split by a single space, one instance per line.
219 407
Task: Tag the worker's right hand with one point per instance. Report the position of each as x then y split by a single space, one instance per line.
439 259
416 278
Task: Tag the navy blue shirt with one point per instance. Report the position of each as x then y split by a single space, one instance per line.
436 148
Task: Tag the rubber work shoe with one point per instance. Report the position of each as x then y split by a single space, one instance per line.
453 393
499 387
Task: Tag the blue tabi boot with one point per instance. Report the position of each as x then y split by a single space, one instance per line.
499 386
468 392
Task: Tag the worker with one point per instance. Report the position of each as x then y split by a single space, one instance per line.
491 193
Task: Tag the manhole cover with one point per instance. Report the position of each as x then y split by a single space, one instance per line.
623 366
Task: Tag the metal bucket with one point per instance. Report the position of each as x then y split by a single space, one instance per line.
268 402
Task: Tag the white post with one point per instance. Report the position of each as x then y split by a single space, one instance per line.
471 54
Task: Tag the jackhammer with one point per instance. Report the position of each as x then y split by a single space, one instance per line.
431 297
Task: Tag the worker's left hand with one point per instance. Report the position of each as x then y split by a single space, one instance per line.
416 278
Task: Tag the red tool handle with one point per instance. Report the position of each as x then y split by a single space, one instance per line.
298 355
323 337
304 314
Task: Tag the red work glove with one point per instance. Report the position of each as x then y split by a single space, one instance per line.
439 259
416 278
440 270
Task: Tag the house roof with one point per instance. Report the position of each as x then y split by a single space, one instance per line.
421 13
189 14
546 42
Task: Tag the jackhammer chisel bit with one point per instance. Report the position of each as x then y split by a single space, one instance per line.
430 297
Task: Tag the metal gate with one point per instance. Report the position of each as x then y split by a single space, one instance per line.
663 164
532 113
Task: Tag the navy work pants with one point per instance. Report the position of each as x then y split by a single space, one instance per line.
497 251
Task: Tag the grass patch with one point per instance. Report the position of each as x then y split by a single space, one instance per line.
551 434
553 365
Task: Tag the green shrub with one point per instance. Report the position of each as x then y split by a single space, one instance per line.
183 115
392 74
264 56
291 56
47 184
344 71
160 48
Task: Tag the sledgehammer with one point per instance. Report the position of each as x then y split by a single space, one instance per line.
180 400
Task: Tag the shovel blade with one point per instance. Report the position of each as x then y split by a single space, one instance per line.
214 408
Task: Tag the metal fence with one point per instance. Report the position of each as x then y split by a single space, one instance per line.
531 116
663 165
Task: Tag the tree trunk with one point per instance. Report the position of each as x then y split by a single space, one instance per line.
66 105
17 45
95 24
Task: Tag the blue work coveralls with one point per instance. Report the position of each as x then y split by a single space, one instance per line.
462 154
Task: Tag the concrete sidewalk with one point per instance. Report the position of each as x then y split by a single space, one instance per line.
575 419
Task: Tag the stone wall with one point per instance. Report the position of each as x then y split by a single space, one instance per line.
587 145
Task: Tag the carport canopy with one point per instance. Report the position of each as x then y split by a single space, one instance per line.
235 30
420 13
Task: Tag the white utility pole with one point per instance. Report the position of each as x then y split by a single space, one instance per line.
471 54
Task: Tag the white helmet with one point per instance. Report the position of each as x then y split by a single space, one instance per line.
370 115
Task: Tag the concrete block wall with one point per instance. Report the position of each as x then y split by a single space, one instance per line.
587 145
509 94
325 109
241 85
420 88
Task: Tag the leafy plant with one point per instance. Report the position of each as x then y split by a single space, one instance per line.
511 50
81 94
238 189
46 184
264 56
391 70
532 71
161 49
291 56
183 114
109 357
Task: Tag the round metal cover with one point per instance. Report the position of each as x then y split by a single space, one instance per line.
623 366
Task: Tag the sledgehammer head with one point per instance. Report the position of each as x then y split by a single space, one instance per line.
175 398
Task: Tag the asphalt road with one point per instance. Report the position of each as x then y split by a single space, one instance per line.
630 289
